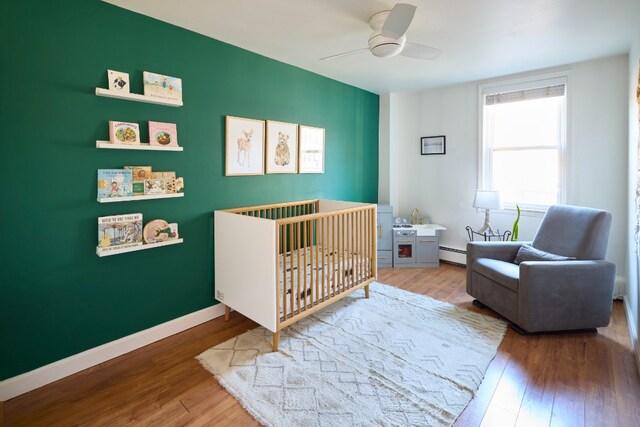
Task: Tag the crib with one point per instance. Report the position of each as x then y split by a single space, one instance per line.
279 263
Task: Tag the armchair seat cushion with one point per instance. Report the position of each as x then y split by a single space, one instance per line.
504 273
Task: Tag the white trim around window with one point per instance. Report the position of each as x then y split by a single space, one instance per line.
529 88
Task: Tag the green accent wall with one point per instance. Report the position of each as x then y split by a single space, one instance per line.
57 298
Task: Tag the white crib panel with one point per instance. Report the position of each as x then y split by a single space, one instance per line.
245 266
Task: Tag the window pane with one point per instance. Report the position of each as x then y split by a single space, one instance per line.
525 123
527 176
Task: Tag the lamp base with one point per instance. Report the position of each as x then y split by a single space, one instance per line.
486 228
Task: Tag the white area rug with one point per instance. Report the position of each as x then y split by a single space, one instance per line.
397 358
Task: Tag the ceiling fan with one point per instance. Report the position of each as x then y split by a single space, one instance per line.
388 38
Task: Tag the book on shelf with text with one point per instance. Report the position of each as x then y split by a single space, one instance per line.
140 173
124 132
114 183
163 134
120 230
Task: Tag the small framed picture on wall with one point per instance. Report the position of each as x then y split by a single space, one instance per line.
433 145
282 147
244 147
311 149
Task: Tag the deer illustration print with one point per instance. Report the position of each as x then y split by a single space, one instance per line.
244 146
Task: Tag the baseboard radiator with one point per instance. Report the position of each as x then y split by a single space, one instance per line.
453 256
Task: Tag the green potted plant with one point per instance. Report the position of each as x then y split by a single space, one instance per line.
514 229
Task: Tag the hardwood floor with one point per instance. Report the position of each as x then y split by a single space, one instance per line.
544 380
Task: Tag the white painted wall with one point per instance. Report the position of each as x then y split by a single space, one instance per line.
388 151
443 187
632 300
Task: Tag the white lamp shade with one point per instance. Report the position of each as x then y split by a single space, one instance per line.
486 199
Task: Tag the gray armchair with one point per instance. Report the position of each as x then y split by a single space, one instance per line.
543 296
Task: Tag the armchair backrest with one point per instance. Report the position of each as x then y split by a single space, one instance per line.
574 231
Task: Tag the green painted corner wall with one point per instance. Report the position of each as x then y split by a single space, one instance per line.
57 298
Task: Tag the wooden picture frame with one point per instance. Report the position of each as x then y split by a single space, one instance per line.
244 146
282 147
311 143
430 145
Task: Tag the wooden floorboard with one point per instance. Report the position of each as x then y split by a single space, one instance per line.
540 380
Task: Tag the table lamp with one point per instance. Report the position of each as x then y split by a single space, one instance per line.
487 200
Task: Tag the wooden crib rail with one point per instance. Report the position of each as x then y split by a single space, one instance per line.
279 210
324 257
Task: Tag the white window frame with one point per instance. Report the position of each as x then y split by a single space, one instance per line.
484 151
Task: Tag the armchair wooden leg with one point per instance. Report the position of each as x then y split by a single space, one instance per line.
227 312
366 291
276 340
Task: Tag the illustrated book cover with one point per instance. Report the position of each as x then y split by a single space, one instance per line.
155 186
114 183
163 134
160 86
140 173
124 133
118 81
118 230
175 185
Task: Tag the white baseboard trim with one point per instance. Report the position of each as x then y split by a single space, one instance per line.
455 255
632 331
47 374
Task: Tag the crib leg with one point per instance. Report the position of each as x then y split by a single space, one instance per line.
227 311
366 291
276 339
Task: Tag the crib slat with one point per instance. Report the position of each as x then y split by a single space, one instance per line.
284 271
304 267
334 250
316 265
290 252
297 228
325 242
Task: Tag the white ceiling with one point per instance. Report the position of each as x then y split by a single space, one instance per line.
480 38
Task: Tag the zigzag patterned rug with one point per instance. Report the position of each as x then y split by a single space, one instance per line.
397 358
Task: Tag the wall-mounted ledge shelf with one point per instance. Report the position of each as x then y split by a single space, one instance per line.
114 250
144 197
141 146
137 97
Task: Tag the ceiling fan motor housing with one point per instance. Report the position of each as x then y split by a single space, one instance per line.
385 47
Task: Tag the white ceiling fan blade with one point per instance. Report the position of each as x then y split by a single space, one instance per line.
351 52
398 21
420 51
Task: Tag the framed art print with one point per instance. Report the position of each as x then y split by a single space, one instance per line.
282 147
244 146
311 142
433 145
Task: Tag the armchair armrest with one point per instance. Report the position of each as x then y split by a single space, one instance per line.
503 251
565 295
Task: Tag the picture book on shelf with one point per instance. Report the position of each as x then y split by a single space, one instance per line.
114 183
175 185
163 134
155 186
119 230
140 173
118 81
160 86
124 133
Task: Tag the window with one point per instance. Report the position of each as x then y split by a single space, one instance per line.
523 140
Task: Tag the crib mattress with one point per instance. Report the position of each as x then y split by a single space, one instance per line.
341 269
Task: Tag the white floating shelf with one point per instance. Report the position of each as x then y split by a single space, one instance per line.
144 197
113 250
141 146
137 97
